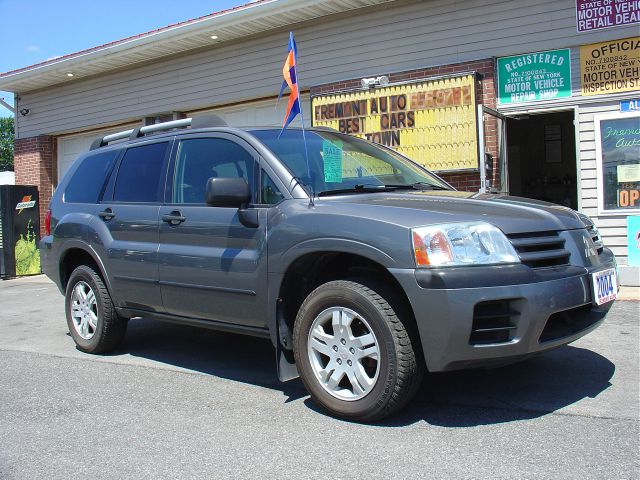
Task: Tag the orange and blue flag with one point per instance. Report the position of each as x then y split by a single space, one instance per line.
290 74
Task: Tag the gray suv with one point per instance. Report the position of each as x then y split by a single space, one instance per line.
361 267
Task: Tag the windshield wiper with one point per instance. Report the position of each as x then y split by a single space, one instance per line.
360 188
418 186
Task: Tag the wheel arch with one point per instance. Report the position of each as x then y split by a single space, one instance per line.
312 269
78 253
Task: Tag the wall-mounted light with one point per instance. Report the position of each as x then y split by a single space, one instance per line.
214 37
24 112
380 81
69 74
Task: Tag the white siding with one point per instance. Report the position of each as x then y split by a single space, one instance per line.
613 228
388 38
259 114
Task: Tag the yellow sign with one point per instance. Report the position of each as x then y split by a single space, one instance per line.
610 67
431 122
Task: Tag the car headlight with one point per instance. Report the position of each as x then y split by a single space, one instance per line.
457 244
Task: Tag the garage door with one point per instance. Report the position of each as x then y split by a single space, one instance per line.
253 114
261 114
72 146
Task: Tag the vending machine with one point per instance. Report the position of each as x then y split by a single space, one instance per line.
19 230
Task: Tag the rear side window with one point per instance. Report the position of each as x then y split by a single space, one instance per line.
140 174
88 181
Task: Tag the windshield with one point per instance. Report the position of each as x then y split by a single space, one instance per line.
342 163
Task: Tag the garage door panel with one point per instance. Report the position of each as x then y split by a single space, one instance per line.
72 146
260 114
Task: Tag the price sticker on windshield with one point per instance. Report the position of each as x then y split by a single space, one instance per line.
605 286
332 159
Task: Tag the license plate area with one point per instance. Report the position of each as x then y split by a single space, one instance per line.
605 286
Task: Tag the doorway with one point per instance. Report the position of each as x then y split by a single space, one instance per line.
541 149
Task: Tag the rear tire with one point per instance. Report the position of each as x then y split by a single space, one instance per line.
91 316
355 356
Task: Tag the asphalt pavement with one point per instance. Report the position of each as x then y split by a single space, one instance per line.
179 402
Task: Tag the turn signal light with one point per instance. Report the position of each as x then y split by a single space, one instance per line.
420 251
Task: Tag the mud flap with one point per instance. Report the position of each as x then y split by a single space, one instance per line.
284 351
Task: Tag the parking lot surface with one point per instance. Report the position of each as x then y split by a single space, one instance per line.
179 402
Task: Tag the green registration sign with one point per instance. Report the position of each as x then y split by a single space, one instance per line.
534 76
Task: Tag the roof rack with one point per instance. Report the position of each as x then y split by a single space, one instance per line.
203 121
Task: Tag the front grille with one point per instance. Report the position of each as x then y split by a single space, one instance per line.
566 323
540 249
494 321
595 236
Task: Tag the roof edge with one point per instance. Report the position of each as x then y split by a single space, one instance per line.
135 38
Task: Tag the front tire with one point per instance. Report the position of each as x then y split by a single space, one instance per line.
354 354
91 316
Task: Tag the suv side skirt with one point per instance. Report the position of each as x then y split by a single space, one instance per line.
195 322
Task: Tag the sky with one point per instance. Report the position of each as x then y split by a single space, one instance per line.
32 31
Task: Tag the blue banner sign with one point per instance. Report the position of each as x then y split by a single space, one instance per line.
632 105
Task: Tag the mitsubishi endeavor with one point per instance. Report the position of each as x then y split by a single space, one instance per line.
362 268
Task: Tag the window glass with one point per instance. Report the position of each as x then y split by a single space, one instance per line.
199 159
269 193
620 157
88 181
329 161
140 173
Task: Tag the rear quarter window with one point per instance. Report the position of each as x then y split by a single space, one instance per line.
88 181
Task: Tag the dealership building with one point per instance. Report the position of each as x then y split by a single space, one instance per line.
540 99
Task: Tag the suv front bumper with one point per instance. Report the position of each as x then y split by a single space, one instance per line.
532 311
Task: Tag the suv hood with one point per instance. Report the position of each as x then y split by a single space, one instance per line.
509 214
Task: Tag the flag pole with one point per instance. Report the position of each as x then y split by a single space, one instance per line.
306 153
304 136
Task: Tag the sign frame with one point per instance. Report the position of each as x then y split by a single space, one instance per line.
614 64
408 83
566 53
598 29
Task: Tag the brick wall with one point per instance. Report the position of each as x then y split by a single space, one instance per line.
34 165
485 94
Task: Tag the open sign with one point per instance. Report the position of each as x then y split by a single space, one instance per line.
628 198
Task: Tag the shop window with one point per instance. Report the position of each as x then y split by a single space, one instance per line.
618 162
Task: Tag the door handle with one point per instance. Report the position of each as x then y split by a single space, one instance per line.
174 218
106 214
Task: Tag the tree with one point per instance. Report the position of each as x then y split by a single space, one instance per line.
6 143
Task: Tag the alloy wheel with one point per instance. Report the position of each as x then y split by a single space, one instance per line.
344 353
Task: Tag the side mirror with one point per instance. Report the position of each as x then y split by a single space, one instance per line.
227 192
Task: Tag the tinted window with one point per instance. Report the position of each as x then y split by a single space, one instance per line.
88 181
199 159
140 173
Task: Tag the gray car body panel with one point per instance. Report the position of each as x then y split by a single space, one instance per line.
376 226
